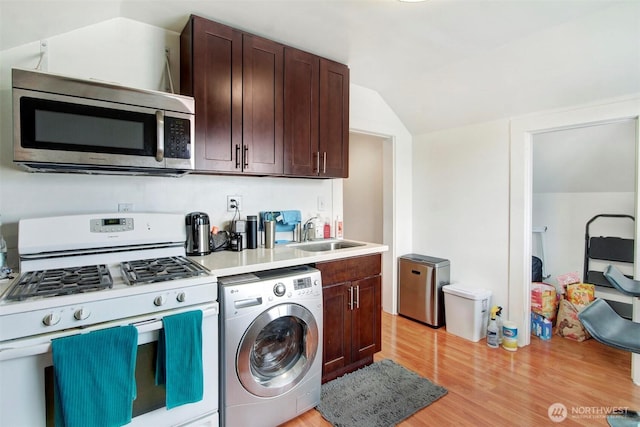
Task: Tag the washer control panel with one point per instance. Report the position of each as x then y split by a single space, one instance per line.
256 290
279 289
302 283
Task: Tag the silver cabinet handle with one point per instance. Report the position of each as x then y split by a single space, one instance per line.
324 162
317 162
237 156
245 156
160 136
358 296
350 297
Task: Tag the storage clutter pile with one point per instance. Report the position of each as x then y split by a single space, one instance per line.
550 307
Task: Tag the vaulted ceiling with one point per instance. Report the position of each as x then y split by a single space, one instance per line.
438 64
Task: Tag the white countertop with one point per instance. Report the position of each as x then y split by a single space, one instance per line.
227 263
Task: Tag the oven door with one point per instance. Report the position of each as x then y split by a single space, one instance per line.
60 129
27 367
277 350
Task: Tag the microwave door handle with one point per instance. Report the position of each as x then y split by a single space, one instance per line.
160 135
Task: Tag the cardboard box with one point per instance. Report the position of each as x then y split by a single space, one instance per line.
541 327
544 300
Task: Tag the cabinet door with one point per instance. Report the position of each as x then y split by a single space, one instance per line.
211 65
367 323
263 93
302 83
334 119
336 341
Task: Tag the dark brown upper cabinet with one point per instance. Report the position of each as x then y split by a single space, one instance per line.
263 108
316 126
237 82
334 119
211 72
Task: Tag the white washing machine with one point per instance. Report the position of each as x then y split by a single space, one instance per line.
270 346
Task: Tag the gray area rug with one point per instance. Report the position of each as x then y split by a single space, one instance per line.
378 395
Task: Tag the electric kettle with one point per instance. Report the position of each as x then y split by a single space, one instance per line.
198 233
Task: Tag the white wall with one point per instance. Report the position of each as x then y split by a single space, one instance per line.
461 203
469 200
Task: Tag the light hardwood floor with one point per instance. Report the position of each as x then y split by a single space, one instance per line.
495 387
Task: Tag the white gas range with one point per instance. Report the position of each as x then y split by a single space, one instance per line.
84 273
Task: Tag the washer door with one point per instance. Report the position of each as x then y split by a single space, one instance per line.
277 350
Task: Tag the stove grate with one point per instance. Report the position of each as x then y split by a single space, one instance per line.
160 270
61 281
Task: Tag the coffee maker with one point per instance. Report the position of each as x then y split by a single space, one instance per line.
198 233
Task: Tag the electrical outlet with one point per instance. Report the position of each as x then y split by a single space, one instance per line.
322 206
125 207
234 202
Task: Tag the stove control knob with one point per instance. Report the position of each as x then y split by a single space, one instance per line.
160 300
82 314
181 297
279 289
51 319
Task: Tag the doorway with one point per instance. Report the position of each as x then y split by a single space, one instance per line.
363 190
368 201
572 183
520 200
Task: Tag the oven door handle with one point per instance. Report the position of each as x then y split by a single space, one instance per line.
142 327
19 352
156 324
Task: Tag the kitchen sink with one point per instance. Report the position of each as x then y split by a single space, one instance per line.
331 245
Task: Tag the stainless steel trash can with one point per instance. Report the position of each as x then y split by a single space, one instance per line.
420 282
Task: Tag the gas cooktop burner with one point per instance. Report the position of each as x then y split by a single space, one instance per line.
160 269
61 281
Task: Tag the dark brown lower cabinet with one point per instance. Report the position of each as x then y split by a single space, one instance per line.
352 314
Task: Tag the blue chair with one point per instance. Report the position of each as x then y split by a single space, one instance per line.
607 327
604 324
621 282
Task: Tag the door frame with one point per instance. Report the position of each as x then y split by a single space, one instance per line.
389 183
520 198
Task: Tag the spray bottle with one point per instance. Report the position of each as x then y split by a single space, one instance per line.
499 324
492 329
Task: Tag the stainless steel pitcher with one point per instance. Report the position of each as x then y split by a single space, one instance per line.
198 233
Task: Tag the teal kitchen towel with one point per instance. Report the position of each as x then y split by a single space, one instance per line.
179 358
94 377
291 217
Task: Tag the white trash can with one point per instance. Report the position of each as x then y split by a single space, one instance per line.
466 311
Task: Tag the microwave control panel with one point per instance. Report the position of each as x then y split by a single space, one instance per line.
177 138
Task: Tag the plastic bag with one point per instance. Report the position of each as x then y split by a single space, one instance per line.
569 325
581 293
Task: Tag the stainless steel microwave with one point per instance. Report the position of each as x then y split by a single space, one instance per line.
65 124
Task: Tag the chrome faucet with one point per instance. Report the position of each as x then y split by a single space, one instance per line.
305 229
